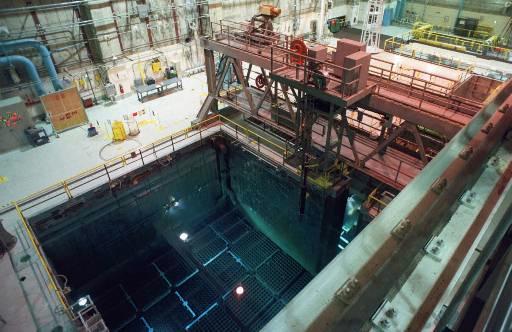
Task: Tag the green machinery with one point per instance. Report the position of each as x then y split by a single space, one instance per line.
338 23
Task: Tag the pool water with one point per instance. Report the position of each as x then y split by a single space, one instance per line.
205 243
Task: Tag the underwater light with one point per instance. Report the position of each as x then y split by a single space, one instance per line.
183 236
176 203
82 301
239 290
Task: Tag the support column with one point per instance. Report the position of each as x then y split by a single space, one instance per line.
148 29
40 31
209 61
89 33
176 24
332 221
116 26
328 138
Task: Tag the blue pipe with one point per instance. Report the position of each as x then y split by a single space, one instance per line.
43 51
29 66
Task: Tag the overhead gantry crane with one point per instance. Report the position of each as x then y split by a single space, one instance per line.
443 140
338 104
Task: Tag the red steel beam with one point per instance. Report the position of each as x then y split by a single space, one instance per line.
148 29
116 26
40 31
175 19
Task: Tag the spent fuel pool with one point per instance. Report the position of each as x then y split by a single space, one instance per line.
210 241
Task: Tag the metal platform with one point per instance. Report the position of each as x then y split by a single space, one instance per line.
413 98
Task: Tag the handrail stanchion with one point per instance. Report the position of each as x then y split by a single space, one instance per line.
108 176
271 59
398 171
66 189
141 158
51 276
285 155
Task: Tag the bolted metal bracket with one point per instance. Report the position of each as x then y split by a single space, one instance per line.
488 128
402 228
466 152
504 109
385 318
495 162
439 185
468 198
348 291
434 248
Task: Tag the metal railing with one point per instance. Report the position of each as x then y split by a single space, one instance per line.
107 173
237 35
111 170
423 86
274 47
286 64
451 42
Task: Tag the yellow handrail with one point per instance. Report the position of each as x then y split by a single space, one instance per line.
113 161
371 197
439 39
121 159
253 133
51 276
64 185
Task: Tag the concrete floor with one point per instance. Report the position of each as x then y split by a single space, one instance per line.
24 300
73 152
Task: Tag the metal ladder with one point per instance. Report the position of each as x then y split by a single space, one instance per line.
91 318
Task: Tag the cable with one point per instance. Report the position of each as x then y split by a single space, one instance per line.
113 143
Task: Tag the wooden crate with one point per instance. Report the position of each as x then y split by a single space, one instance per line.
65 109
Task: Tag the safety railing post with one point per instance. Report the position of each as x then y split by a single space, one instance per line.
172 144
258 144
53 285
305 65
398 171
66 189
141 157
108 175
285 155
271 59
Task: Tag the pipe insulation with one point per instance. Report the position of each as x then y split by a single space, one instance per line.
30 68
12 45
